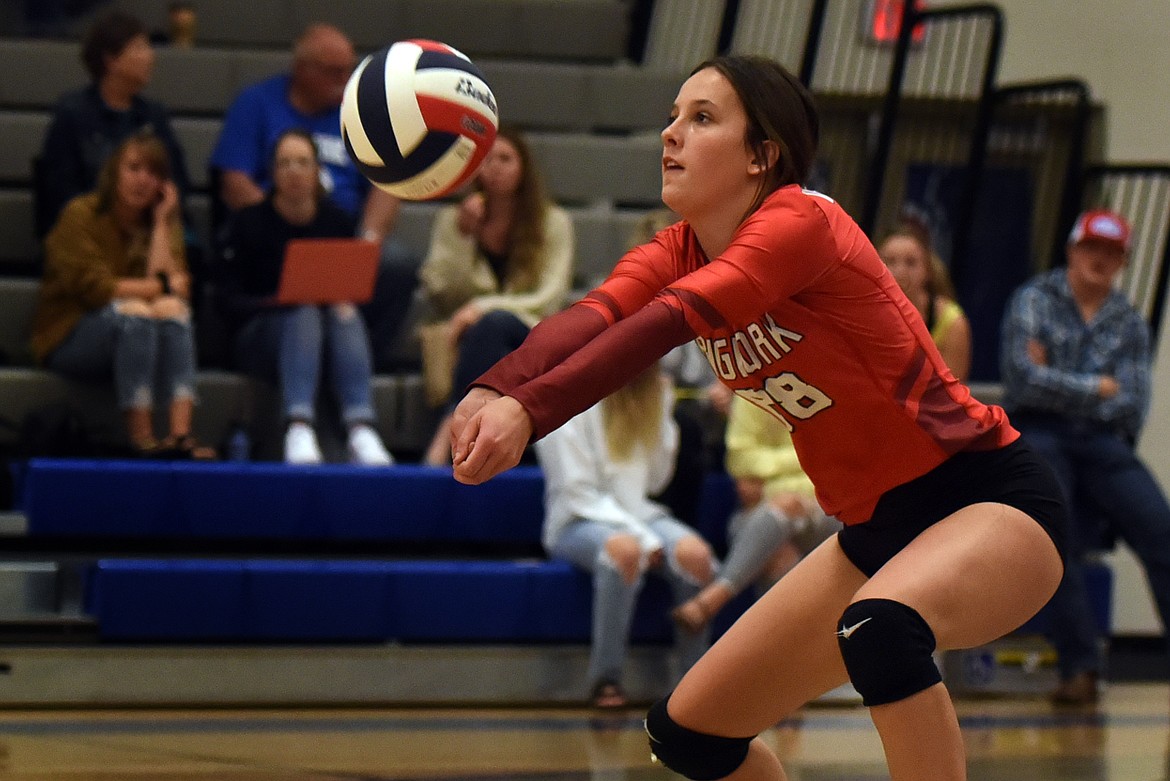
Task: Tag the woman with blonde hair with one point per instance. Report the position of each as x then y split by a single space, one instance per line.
499 262
114 299
600 469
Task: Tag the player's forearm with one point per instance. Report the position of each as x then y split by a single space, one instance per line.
608 362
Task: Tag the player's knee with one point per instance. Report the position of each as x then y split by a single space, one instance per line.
689 753
887 647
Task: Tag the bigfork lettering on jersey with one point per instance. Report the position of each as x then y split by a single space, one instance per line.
748 350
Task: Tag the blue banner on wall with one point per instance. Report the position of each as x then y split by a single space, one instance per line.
999 256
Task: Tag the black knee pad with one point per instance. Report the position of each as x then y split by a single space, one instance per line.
692 754
887 650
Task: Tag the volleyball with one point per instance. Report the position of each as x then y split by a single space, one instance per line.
418 118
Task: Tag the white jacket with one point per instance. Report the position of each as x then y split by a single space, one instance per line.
581 480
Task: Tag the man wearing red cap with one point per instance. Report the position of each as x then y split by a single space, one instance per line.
1076 370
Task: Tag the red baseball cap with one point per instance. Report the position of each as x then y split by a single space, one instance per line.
1101 225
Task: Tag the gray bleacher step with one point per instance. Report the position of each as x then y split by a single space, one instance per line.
28 589
106 676
55 628
13 523
312 675
33 607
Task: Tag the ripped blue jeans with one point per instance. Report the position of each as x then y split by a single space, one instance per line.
582 543
149 359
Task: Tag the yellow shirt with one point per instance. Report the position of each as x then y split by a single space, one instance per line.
758 446
946 312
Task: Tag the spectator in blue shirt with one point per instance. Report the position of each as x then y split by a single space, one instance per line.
308 97
1076 370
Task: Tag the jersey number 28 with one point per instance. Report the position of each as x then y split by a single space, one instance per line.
786 395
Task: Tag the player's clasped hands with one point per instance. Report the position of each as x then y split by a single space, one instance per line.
488 435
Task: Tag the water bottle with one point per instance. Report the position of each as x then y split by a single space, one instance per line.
239 445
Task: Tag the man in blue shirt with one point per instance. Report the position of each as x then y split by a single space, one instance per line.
1076 371
309 97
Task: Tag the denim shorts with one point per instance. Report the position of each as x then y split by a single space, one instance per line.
1014 475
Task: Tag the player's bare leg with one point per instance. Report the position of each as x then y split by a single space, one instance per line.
973 577
779 655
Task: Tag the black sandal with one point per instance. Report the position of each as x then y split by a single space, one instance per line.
691 616
608 695
181 448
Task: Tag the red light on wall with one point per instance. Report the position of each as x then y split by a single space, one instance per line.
884 18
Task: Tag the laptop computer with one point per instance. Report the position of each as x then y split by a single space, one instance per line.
328 271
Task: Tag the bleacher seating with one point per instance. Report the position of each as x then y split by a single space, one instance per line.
226 500
410 601
405 420
591 30
499 599
232 501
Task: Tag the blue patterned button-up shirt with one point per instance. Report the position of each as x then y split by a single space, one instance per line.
1115 343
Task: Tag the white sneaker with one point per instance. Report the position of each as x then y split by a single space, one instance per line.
300 445
366 448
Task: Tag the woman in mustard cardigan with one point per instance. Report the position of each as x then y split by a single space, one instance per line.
114 299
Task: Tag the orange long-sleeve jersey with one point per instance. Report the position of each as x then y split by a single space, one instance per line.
798 315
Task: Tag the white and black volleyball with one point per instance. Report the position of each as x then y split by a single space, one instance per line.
418 118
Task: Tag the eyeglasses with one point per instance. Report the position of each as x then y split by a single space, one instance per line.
288 163
333 70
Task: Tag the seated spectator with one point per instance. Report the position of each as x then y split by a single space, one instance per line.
308 97
599 469
499 261
924 279
778 520
114 295
88 123
700 410
1076 370
293 344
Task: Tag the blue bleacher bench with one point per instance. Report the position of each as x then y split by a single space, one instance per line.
264 500
410 601
221 598
431 600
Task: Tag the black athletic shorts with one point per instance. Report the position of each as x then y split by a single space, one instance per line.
1014 475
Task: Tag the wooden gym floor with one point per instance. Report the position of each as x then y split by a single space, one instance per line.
1125 739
